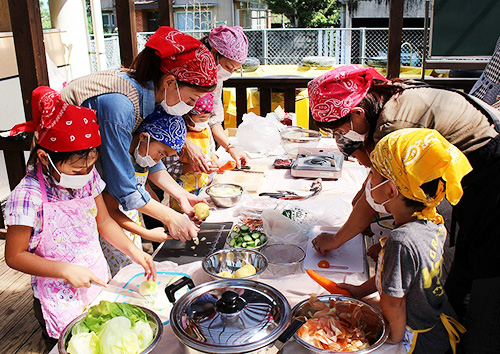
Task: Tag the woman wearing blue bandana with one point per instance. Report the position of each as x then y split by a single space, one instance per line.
158 136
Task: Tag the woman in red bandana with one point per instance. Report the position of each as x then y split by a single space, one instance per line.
361 107
57 212
174 70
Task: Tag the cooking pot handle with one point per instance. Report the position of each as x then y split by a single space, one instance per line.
177 285
288 333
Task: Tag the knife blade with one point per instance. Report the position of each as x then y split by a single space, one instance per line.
236 169
120 291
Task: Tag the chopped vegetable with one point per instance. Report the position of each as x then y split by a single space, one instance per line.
323 264
246 236
230 165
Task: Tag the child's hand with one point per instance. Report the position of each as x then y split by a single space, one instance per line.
355 290
79 276
157 234
373 251
146 261
324 242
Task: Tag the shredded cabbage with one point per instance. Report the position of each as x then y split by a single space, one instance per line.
225 191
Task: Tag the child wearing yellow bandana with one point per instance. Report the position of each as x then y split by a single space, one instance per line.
413 169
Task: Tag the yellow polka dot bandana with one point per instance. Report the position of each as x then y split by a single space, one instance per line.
412 157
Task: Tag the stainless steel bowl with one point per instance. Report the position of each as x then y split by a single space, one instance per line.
376 328
284 259
153 318
231 260
224 202
292 140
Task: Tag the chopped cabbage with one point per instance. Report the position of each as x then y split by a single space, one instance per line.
83 343
225 191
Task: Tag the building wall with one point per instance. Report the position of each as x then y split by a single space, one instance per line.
380 8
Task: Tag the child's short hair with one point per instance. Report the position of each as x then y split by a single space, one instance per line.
430 189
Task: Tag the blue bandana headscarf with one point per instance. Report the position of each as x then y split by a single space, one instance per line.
165 128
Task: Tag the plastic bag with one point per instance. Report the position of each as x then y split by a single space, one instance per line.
281 229
56 79
259 135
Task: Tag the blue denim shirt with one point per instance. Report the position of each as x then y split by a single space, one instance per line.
115 115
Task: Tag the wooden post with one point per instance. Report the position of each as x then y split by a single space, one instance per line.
127 34
166 16
27 30
395 36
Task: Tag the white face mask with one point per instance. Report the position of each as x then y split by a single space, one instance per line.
354 135
222 74
379 208
199 126
71 181
143 161
178 109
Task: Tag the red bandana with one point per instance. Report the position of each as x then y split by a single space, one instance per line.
61 127
333 94
184 57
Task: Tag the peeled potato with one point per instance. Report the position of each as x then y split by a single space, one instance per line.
245 271
225 274
201 210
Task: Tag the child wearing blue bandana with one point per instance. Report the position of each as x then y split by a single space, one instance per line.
158 136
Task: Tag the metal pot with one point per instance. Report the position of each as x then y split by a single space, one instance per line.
373 319
232 316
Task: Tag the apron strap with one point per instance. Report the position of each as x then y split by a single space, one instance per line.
41 181
452 327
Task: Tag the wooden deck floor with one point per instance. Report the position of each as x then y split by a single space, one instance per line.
19 329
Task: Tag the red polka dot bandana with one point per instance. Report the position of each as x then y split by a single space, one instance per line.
203 105
184 57
60 127
333 94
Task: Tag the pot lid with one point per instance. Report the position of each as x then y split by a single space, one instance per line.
230 316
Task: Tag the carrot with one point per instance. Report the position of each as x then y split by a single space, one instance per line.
230 165
327 283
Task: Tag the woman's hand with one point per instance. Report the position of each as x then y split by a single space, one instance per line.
239 156
187 202
325 242
180 227
146 261
79 276
197 157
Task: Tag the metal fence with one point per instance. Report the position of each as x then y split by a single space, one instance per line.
291 45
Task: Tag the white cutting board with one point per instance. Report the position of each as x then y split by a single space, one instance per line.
250 181
348 258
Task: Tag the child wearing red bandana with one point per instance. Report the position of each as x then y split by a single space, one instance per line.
56 213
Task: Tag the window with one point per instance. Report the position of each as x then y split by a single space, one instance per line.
107 22
189 21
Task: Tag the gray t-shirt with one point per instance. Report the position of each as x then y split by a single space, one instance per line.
412 267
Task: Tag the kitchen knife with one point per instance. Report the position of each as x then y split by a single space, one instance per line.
121 291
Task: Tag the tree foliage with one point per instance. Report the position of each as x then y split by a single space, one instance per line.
307 13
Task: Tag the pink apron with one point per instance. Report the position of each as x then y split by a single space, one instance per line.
69 234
